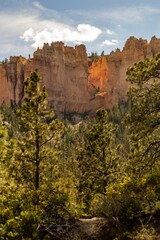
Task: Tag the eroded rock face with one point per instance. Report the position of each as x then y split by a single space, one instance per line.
108 76
11 80
73 85
98 75
64 71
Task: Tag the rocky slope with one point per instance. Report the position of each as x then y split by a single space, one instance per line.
72 83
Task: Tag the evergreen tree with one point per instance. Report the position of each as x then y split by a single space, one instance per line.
144 118
9 119
31 200
98 160
40 133
3 153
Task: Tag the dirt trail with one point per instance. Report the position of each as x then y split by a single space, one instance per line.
91 228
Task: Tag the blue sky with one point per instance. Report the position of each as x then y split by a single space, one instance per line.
99 24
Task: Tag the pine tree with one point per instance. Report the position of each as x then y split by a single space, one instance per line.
32 199
39 137
3 152
98 160
144 118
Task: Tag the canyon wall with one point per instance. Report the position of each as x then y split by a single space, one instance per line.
74 82
108 74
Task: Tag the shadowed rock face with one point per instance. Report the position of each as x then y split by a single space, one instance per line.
72 83
11 79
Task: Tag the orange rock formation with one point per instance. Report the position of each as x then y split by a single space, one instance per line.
73 85
107 77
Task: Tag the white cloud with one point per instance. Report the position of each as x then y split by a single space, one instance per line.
109 32
38 5
28 35
115 41
109 42
83 33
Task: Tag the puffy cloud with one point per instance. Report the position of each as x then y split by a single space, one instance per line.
109 32
28 35
110 42
83 33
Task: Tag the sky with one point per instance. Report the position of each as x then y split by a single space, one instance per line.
102 25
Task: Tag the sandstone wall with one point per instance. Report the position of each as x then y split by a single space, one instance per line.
72 83
11 79
64 71
108 76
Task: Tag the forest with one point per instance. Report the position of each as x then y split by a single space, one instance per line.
54 172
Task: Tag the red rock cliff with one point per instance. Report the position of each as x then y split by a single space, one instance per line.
64 71
73 86
108 74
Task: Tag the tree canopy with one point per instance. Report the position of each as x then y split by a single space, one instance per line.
145 110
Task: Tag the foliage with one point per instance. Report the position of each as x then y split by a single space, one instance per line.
130 205
39 137
102 53
19 218
3 139
117 116
9 119
94 57
145 112
98 160
30 187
